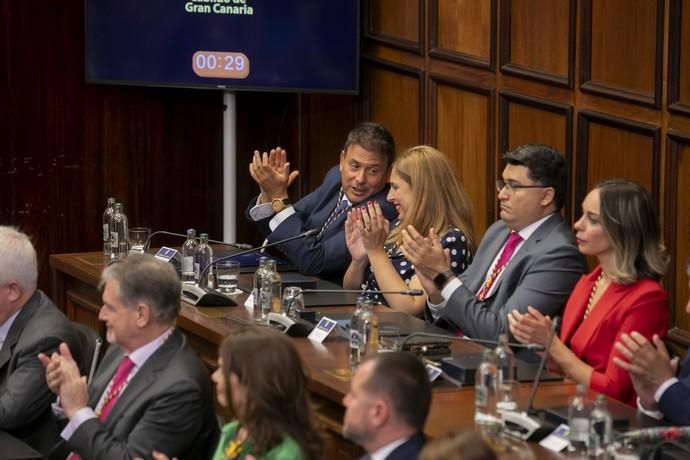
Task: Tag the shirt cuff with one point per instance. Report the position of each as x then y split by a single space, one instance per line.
280 217
648 412
447 291
663 387
82 415
260 211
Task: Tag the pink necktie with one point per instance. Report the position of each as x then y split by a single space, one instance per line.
513 240
117 386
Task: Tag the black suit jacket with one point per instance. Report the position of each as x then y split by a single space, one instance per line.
675 402
167 406
24 395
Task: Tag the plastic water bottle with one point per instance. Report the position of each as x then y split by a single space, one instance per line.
256 289
505 374
355 337
368 330
202 258
600 429
107 218
486 416
188 251
119 229
270 291
578 420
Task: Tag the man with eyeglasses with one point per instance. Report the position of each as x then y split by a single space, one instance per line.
361 176
527 258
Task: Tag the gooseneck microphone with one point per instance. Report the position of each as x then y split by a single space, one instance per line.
147 243
202 296
529 346
411 292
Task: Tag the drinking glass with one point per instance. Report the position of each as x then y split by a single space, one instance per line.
227 273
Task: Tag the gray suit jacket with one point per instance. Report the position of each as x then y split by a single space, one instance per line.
167 406
24 395
542 273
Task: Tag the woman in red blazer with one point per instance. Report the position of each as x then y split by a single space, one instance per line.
620 228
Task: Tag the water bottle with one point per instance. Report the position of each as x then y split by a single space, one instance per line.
578 420
270 291
355 337
600 428
486 416
202 258
119 229
368 330
256 289
107 218
188 251
505 371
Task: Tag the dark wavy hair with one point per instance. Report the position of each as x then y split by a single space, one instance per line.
278 404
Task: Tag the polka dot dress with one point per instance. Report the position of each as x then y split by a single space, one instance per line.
460 258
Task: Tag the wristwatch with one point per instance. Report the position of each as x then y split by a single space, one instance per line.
278 204
442 278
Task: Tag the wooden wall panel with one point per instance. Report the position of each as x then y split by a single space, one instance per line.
462 125
611 147
538 39
679 57
387 81
678 224
463 31
609 28
399 23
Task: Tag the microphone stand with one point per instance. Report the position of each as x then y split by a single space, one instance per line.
202 296
164 232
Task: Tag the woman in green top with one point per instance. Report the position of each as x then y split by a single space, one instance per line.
261 380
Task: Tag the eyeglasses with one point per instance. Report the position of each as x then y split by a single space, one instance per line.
511 188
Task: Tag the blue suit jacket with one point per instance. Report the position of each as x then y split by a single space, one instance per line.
542 273
675 402
326 256
409 450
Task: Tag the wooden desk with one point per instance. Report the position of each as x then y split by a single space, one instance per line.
75 277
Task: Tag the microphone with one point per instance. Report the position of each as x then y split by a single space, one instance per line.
202 296
411 292
529 346
522 424
147 243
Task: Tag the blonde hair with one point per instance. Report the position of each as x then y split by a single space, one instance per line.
439 201
630 222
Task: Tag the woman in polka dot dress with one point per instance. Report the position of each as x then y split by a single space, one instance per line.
426 195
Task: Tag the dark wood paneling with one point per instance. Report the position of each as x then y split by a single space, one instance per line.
66 145
388 81
611 30
463 31
462 125
398 23
538 40
610 147
678 224
679 57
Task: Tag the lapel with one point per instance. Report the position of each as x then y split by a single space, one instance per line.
608 302
529 247
577 304
146 376
106 371
488 254
25 314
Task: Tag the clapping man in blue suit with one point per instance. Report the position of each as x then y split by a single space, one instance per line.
361 176
660 393
387 406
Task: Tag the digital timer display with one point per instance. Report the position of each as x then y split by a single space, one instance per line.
216 64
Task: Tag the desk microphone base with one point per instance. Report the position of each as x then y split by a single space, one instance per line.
525 427
205 297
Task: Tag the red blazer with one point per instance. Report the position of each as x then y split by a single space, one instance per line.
641 307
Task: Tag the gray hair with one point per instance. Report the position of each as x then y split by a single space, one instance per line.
17 258
145 279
